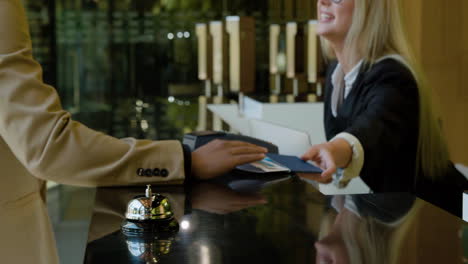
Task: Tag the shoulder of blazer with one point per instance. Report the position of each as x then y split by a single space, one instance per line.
388 70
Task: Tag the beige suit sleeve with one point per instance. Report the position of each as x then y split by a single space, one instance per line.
48 142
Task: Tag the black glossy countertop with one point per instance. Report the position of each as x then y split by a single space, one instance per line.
280 219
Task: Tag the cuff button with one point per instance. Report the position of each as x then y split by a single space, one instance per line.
148 173
141 172
156 172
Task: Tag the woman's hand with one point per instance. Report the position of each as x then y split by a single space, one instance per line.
221 156
330 156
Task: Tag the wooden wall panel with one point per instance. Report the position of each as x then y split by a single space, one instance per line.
439 36
464 87
442 57
412 19
463 104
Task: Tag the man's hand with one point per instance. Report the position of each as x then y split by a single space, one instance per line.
219 199
221 156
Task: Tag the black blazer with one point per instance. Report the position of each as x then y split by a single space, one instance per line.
382 111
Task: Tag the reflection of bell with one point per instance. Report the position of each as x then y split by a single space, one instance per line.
149 250
147 213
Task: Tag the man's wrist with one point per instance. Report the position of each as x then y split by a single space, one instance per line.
187 163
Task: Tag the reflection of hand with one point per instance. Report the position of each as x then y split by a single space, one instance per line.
219 199
315 177
221 156
329 156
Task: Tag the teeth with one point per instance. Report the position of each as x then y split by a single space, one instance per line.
326 16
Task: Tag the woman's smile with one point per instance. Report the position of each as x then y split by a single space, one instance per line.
326 17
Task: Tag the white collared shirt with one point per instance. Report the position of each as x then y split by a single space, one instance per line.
338 77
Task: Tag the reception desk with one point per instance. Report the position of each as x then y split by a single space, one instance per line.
277 219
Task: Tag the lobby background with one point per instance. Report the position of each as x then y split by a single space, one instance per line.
129 68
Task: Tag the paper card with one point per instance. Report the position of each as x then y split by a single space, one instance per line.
267 165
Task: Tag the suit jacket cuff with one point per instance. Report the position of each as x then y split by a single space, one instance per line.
354 168
187 163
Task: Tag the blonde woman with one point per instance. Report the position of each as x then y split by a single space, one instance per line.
378 114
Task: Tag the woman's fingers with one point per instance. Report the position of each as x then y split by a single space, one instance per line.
322 156
328 173
311 153
329 165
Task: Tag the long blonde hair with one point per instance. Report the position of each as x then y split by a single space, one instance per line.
377 31
369 240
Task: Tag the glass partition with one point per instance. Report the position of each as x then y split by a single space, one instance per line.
129 68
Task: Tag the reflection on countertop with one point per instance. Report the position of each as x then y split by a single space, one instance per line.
27 235
278 220
70 209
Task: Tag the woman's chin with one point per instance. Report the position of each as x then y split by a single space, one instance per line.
327 34
324 30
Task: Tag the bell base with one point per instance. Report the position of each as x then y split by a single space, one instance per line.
141 228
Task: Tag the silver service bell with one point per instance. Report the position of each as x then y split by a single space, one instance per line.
150 207
149 227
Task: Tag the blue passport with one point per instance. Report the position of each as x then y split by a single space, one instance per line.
279 163
294 163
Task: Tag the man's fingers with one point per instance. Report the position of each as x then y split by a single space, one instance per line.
248 158
247 150
248 199
240 146
235 143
